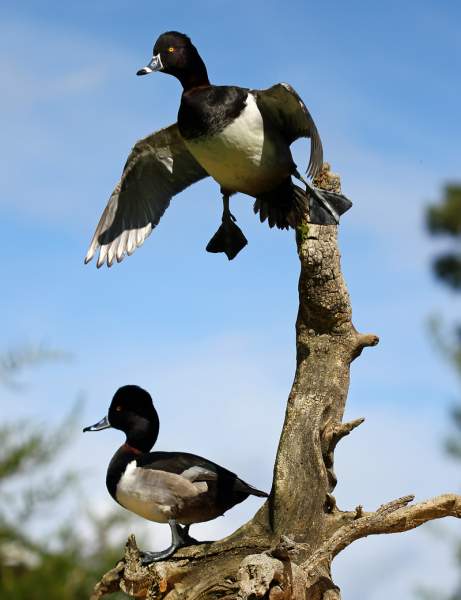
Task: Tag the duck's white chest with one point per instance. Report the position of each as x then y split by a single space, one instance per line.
241 157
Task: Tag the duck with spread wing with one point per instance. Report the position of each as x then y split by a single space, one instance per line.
239 137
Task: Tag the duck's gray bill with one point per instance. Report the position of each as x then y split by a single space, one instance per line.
102 424
154 65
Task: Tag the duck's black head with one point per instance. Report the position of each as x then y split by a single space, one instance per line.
133 412
176 55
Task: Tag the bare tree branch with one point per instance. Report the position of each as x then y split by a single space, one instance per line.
395 517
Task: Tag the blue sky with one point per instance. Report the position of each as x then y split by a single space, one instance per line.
212 340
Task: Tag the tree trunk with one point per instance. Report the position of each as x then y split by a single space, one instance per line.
286 550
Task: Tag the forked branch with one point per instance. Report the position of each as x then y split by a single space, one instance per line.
262 575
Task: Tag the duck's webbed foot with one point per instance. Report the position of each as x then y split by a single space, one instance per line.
179 538
325 207
149 557
229 238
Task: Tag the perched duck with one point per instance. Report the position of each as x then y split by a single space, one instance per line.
239 137
166 487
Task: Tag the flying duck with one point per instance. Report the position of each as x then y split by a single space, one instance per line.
167 487
239 137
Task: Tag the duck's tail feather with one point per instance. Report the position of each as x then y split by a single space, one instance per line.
255 492
246 488
288 206
283 207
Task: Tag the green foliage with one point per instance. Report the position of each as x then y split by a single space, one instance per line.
453 442
444 219
14 361
68 573
60 564
44 555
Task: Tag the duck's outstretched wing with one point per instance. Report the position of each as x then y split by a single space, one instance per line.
158 167
283 108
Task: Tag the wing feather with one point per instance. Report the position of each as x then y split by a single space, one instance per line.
285 109
158 167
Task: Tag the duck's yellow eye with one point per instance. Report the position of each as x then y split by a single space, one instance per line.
118 408
171 49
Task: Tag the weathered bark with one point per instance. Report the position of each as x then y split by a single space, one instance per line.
286 550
